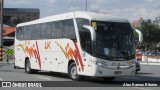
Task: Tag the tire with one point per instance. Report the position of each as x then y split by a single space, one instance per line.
107 79
72 72
28 67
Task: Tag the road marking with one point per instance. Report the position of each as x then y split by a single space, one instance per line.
145 68
1 79
133 78
155 63
141 88
41 77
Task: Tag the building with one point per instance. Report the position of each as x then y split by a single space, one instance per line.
8 31
8 35
14 16
141 22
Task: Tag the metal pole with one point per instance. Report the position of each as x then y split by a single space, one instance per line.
86 5
1 32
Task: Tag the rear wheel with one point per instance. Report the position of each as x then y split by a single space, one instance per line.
108 78
73 72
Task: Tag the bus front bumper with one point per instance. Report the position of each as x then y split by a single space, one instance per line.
114 71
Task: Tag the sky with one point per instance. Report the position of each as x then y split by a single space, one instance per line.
129 9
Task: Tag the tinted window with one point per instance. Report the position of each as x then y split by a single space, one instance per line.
81 22
43 31
58 26
49 30
53 30
26 33
68 29
114 40
19 33
85 36
56 30
35 32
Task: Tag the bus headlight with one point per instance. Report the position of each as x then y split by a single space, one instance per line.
101 63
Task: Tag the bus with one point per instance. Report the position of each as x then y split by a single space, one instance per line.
79 43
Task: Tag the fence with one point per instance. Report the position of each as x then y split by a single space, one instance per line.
7 53
150 58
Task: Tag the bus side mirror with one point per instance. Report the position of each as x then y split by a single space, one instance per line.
92 31
140 35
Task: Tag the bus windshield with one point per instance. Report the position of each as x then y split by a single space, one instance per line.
114 41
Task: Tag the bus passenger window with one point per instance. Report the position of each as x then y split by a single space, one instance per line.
35 32
56 30
68 29
53 30
43 31
18 33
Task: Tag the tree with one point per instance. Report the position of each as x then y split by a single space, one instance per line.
151 35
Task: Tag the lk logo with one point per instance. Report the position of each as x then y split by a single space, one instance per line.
48 45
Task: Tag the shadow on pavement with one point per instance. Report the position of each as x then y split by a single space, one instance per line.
143 73
119 81
54 74
140 77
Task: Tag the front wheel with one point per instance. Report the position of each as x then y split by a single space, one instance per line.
73 72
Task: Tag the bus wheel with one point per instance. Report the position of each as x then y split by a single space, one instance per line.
28 67
73 72
108 78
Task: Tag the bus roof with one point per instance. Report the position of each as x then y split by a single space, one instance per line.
99 16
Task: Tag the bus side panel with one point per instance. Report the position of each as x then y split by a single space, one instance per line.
23 50
87 63
54 55
33 53
70 50
51 58
63 52
45 57
19 55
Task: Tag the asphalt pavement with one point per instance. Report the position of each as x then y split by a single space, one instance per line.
147 73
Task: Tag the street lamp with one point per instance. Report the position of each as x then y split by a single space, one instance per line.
86 5
1 31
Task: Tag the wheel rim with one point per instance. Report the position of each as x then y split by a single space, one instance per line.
27 67
74 72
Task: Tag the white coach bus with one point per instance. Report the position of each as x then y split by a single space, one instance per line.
79 43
